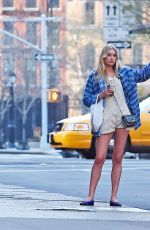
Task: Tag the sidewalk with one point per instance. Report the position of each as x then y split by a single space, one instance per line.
28 151
50 151
34 149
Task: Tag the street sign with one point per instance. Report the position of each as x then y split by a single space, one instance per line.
121 44
118 19
44 57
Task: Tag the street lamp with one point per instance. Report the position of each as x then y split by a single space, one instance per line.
11 121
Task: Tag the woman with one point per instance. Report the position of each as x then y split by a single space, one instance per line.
119 95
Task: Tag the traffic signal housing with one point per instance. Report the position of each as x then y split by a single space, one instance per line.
54 95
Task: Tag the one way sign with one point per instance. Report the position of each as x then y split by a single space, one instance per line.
44 57
121 44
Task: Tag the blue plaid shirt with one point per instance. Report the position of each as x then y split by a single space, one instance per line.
129 78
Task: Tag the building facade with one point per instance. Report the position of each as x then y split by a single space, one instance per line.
23 19
84 42
90 25
76 39
14 18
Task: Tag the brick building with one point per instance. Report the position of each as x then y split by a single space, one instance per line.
22 18
31 31
76 39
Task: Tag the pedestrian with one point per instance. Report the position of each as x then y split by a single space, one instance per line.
116 85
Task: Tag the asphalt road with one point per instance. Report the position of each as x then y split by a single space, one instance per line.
53 186
55 224
71 177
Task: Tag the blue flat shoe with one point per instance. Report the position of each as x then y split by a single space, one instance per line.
115 203
87 203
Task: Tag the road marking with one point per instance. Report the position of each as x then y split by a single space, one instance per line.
5 170
44 170
20 202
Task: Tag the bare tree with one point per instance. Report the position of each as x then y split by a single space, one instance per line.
26 88
80 60
26 94
141 12
4 106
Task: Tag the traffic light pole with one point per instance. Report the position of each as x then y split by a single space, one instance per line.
43 144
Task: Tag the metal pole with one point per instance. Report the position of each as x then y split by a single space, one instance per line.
43 49
20 39
43 144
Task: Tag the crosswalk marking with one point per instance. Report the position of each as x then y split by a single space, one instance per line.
21 202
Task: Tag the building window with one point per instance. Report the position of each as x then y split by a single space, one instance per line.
137 53
89 13
53 76
31 32
7 3
89 57
53 34
53 3
7 40
8 65
30 72
31 3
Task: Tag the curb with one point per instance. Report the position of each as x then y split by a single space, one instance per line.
33 151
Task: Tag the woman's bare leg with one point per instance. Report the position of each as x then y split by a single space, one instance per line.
119 145
102 143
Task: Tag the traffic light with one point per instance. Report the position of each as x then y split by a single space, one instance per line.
54 95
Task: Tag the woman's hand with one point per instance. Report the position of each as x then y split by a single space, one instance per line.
106 93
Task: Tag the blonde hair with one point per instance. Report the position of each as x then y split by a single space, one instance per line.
101 66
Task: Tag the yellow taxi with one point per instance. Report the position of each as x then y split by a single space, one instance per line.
139 140
75 134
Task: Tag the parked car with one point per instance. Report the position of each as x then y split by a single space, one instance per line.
75 134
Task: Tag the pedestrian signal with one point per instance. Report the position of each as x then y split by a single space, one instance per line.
54 95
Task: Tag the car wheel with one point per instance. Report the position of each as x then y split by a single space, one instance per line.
128 145
111 147
91 153
69 154
109 154
87 154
